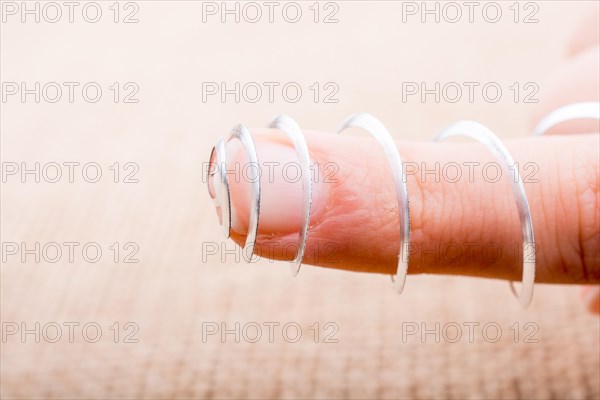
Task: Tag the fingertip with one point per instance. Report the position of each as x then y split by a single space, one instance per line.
587 33
575 81
590 295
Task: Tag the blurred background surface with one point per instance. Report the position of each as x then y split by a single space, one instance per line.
166 219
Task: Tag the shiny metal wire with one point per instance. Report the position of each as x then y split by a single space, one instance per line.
372 125
288 126
585 110
243 135
382 135
485 136
222 194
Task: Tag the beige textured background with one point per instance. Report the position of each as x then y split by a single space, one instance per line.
171 291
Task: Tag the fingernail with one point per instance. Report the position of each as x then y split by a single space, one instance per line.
281 187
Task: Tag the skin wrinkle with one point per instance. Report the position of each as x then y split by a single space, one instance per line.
545 210
387 201
456 208
340 198
445 212
511 230
482 213
558 214
569 246
591 187
581 246
426 223
350 205
456 221
418 233
474 215
317 216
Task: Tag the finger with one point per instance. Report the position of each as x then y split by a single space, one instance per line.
576 80
457 226
591 298
588 31
580 71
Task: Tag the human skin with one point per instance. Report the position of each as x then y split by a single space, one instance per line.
457 227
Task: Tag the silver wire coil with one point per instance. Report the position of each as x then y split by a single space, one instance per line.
222 196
